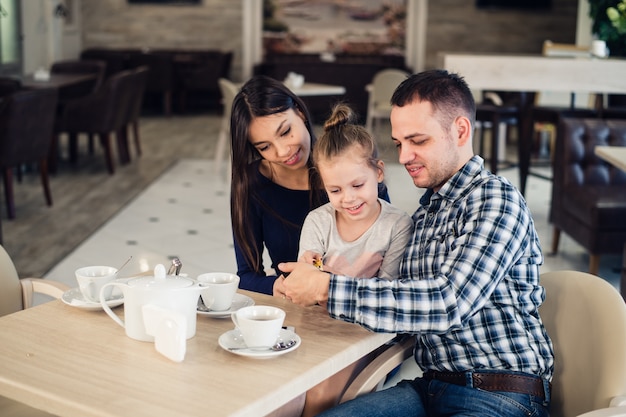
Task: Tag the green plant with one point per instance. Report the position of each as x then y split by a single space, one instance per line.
617 16
603 26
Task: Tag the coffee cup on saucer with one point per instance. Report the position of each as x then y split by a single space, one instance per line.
218 289
259 325
92 278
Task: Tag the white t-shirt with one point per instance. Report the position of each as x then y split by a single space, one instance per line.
376 253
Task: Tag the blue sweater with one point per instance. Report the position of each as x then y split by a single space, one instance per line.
276 215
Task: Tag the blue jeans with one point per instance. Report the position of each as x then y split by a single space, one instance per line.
421 398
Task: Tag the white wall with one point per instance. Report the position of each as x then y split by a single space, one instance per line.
47 38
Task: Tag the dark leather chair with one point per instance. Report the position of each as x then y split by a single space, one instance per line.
160 77
589 194
616 107
26 126
102 113
9 86
140 78
200 72
116 59
95 67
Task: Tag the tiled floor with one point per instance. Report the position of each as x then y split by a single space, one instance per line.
185 214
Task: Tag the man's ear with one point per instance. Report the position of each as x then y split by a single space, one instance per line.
463 130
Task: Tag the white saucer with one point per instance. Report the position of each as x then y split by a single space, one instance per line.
239 301
234 339
75 298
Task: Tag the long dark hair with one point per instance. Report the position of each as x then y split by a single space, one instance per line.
260 96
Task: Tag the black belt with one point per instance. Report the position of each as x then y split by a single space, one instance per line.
523 384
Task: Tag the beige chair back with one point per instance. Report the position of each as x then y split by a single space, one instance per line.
229 90
10 288
380 90
585 317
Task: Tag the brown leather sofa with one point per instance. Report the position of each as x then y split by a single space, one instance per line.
354 72
589 194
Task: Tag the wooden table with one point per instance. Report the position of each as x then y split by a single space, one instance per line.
58 81
533 73
616 156
72 362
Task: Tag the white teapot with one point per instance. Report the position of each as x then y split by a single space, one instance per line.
150 299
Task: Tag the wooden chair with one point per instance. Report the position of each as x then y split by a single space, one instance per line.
102 113
375 373
140 78
26 126
380 91
95 67
15 295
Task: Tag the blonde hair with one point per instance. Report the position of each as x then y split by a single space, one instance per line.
341 133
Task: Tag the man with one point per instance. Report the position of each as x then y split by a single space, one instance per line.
469 286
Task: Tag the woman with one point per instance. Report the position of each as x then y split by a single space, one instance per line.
273 187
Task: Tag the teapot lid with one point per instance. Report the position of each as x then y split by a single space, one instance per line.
160 281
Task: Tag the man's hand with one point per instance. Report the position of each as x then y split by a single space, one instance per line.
306 284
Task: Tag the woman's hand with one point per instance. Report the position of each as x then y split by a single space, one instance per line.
279 287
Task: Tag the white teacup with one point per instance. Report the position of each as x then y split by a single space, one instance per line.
92 278
599 49
218 289
259 325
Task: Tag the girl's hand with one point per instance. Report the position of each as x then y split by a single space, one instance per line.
312 258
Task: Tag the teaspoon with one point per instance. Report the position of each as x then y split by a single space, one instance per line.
123 265
281 345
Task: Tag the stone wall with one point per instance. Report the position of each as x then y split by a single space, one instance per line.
213 24
458 26
453 26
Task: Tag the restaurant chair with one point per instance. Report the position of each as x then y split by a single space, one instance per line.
590 365
26 129
15 295
228 90
160 77
498 111
588 194
380 91
102 113
200 74
615 107
585 317
95 67
9 86
140 78
373 376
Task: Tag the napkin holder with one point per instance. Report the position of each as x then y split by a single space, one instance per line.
169 331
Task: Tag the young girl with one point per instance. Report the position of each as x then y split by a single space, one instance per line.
356 234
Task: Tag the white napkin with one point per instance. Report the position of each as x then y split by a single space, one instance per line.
169 330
